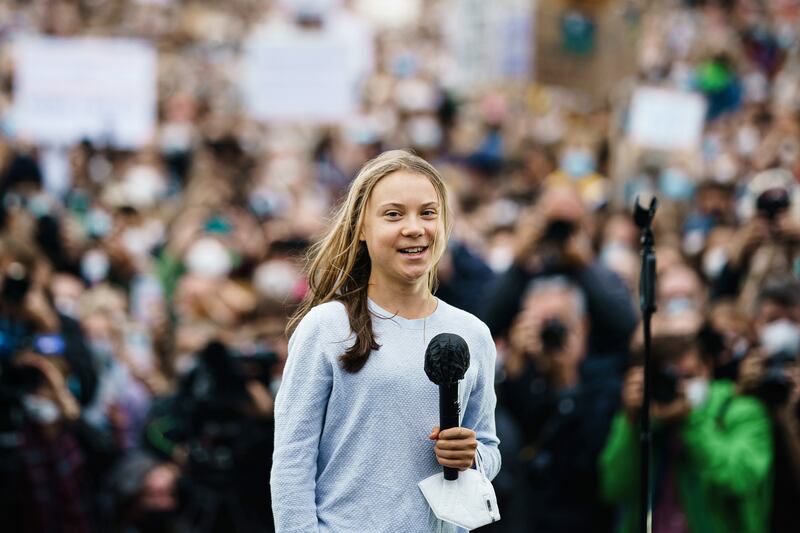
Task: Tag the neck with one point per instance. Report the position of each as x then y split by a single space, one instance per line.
408 302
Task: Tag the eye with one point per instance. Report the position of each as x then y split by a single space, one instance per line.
430 213
392 214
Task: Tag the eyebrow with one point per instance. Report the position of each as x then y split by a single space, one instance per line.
397 205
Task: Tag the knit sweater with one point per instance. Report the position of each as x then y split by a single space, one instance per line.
351 448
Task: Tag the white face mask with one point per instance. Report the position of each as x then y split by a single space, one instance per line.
41 410
95 265
781 336
697 391
276 279
714 261
209 258
500 258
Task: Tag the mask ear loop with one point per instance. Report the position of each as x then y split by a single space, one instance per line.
479 463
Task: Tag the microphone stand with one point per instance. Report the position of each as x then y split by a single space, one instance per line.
647 291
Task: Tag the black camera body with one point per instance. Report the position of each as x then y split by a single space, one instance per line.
553 335
15 284
552 242
772 202
775 385
665 386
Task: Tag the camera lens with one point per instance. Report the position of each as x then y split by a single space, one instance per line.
553 335
772 202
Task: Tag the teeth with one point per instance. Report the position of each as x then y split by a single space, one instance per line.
412 250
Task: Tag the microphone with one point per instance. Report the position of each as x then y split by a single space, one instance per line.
446 362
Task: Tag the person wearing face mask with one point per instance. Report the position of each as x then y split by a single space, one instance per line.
52 489
772 374
28 309
578 166
712 448
768 242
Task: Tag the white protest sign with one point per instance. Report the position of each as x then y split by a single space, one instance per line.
291 74
69 89
489 41
666 119
389 13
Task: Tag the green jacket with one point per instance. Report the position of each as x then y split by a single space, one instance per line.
723 476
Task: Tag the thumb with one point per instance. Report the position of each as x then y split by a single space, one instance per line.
434 433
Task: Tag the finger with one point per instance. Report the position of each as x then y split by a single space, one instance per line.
434 433
458 444
456 455
461 465
457 433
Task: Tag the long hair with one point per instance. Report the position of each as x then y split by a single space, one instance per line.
338 265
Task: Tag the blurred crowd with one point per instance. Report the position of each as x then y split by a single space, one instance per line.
143 308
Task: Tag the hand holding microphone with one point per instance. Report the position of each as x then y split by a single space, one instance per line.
455 447
446 362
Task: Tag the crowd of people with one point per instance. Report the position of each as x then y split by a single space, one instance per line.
143 311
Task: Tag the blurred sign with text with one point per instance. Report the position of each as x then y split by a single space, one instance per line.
301 75
666 119
69 89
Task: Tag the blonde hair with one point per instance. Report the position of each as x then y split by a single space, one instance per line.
338 265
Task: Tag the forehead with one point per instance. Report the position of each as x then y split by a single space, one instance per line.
555 300
403 187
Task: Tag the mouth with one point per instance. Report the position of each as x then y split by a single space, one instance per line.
413 251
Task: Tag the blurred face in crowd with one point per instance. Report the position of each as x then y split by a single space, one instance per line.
401 223
158 489
715 201
690 366
562 203
620 230
556 304
771 311
679 288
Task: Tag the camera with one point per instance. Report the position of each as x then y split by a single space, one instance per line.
15 283
665 386
772 202
558 231
781 341
775 385
553 335
552 243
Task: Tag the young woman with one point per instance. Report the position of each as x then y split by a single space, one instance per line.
354 413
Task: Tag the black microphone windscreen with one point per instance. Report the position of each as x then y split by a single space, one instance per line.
446 358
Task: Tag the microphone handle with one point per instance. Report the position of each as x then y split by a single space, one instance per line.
449 411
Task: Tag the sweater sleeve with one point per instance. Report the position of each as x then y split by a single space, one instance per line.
619 463
300 408
503 298
735 458
479 412
611 309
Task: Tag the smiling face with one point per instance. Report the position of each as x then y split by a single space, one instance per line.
402 220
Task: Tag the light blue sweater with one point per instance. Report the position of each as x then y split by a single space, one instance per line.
351 448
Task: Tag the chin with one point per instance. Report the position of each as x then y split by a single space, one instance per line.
414 277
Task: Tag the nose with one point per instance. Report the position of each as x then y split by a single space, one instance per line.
412 228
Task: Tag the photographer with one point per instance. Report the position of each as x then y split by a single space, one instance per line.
563 419
27 311
554 240
712 448
772 374
45 464
766 243
218 428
